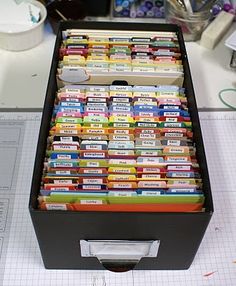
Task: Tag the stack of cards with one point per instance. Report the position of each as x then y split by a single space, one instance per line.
102 54
121 148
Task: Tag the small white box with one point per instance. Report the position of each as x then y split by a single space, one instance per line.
215 31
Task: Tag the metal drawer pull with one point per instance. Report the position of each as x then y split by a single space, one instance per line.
119 255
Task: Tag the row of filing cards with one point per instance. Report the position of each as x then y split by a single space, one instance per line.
121 148
102 54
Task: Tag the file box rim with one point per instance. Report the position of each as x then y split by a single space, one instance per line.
52 87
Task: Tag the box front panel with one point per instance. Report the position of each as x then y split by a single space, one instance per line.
59 237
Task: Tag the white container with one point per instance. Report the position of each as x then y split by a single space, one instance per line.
27 39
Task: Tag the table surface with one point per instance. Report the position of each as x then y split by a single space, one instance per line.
24 75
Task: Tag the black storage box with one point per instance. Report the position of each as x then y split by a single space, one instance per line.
61 234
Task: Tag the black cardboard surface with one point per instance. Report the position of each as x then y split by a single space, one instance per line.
59 233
